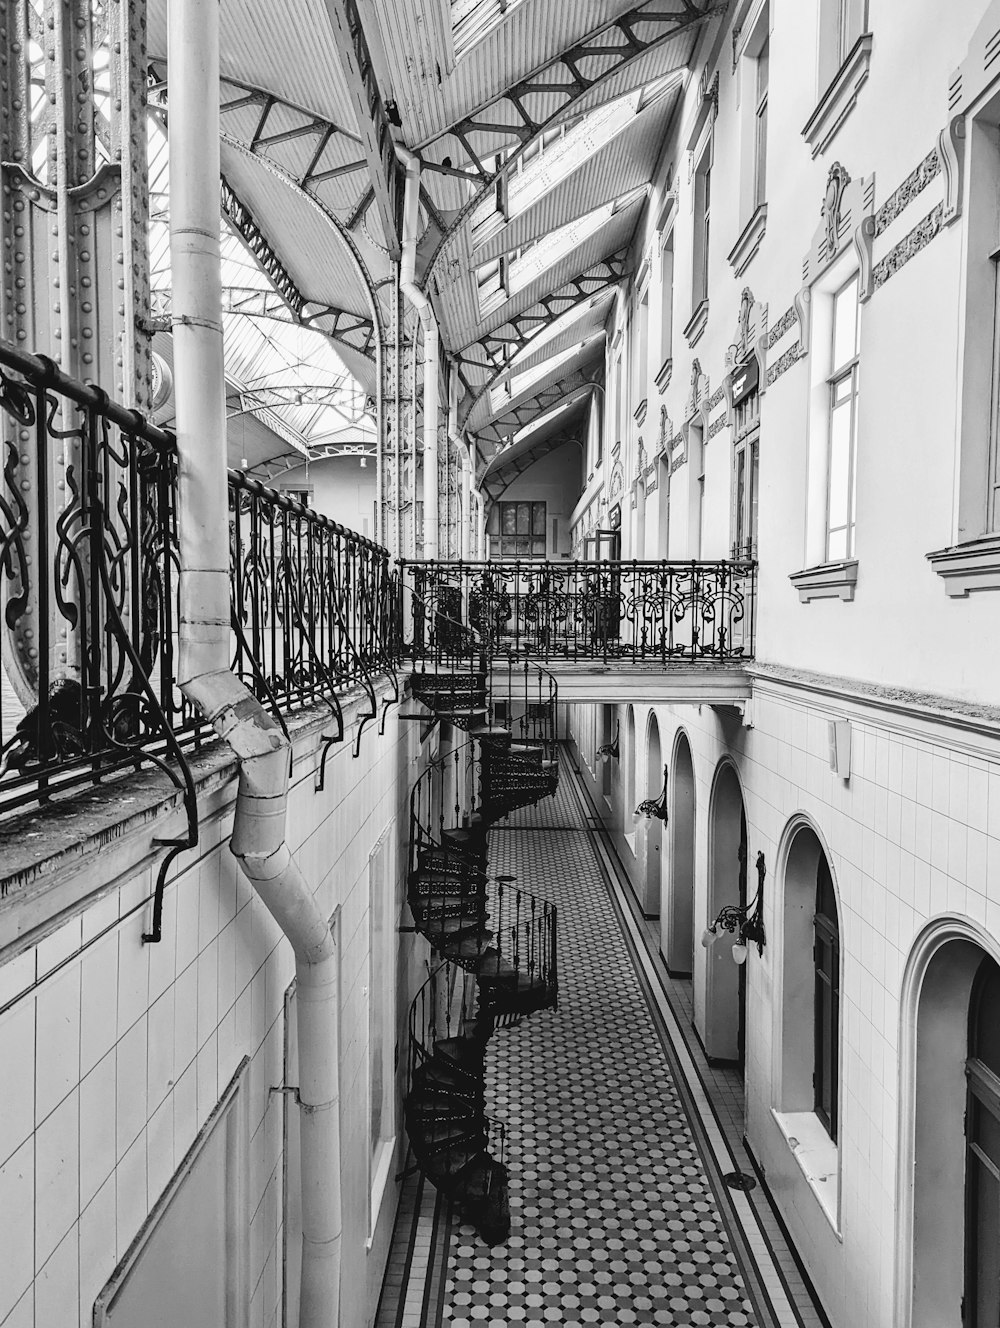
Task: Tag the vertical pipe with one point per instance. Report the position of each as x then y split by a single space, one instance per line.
204 675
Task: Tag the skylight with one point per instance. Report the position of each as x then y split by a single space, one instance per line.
543 334
531 264
517 385
473 20
566 154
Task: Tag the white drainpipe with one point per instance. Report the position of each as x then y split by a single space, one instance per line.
420 302
258 838
456 435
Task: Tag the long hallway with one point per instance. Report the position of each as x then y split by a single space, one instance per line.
619 1212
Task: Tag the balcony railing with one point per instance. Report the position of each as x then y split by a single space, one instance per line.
656 612
89 594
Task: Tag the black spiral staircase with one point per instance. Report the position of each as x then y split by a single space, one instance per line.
494 944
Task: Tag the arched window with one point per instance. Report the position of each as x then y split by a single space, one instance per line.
826 1002
982 1152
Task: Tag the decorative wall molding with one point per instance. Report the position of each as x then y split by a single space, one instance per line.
915 183
663 378
790 357
718 425
750 338
698 395
784 324
838 100
697 324
908 247
968 567
746 246
951 150
827 581
846 215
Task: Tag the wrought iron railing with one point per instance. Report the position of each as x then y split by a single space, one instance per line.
696 612
314 604
88 589
89 607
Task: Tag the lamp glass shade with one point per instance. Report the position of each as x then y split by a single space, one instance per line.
739 953
707 937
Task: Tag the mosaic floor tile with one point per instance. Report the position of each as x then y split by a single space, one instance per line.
615 1220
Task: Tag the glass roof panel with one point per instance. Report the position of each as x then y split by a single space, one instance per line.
284 373
472 20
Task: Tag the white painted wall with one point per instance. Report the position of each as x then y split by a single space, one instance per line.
116 1052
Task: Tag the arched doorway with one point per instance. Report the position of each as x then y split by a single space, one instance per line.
725 981
653 826
607 737
677 903
950 1145
810 982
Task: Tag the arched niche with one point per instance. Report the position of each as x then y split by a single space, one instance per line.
931 1190
677 903
652 864
725 981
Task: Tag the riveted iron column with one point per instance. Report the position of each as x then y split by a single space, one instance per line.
73 224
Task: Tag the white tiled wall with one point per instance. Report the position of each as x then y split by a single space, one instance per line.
914 834
113 1053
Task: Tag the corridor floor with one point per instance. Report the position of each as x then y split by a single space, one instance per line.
619 1213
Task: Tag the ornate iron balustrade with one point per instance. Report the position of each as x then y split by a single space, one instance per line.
314 604
689 612
88 589
89 594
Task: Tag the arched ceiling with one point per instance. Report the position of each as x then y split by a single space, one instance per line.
539 125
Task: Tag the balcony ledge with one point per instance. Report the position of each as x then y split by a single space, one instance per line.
967 567
827 581
838 100
743 251
697 325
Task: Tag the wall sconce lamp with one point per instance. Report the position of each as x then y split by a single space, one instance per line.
654 806
746 923
608 751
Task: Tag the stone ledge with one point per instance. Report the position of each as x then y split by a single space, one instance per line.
48 853
816 1154
827 581
744 250
968 567
838 100
697 324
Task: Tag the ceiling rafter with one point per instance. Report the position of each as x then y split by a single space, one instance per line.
275 109
553 394
495 485
612 47
494 352
373 122
353 330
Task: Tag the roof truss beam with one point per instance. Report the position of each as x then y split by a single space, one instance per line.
494 352
352 330
518 417
609 48
373 122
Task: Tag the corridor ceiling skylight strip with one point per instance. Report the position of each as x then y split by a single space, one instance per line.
473 20
520 383
568 153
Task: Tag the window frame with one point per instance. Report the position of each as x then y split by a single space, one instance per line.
533 505
702 228
826 1013
760 123
746 450
847 372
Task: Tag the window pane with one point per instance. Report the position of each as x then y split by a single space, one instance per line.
522 548
538 518
538 548
762 68
845 324
838 510
523 518
508 518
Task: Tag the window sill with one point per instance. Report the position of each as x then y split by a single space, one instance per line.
640 411
743 251
816 1154
827 581
968 567
697 325
663 378
838 100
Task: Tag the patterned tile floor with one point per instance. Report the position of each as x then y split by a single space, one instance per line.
619 1215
